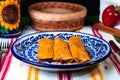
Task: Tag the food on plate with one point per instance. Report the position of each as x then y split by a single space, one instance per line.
61 51
45 49
111 15
78 51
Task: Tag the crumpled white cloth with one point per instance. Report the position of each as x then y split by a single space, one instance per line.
104 4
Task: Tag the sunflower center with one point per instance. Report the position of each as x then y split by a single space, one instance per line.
10 14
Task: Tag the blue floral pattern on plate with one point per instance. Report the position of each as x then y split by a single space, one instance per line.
25 49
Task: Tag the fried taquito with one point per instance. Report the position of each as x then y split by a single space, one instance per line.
61 51
78 51
45 49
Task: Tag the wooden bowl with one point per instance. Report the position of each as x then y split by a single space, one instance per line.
47 16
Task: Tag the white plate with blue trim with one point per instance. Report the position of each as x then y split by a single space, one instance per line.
25 50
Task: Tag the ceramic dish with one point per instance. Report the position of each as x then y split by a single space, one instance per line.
46 16
25 49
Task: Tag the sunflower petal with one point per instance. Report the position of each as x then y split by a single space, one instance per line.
1 19
2 23
6 25
11 1
2 3
6 3
11 27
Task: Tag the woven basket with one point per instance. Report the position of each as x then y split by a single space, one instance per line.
48 16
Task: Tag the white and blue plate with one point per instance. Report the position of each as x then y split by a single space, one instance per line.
25 49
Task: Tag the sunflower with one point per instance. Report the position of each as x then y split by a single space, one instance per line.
10 14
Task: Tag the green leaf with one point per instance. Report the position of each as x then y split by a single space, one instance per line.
117 39
24 21
90 20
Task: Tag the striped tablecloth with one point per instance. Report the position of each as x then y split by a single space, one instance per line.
109 69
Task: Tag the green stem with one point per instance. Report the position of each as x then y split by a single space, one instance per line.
117 8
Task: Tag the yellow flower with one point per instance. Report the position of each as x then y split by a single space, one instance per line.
10 14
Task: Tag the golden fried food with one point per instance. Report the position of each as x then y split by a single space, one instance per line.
61 51
45 49
78 51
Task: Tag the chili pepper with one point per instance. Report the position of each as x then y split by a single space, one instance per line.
111 15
